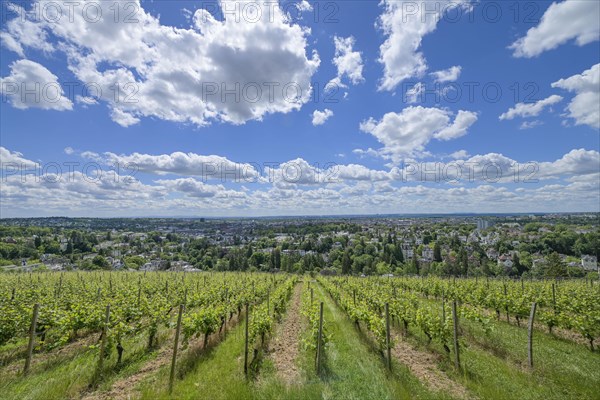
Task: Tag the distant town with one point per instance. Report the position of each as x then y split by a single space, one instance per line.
529 246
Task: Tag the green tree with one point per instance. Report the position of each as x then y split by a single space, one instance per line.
134 262
277 258
382 268
554 266
415 262
437 252
100 262
398 255
463 261
346 263
518 266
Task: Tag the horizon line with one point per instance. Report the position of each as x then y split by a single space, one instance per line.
309 216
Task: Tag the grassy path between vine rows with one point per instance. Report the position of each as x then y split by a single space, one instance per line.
68 374
45 359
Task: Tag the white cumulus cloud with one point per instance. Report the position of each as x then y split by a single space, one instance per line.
241 68
320 117
300 188
447 75
405 23
180 163
568 20
31 85
348 62
405 134
584 108
525 110
415 93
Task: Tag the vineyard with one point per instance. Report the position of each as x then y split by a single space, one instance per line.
101 335
423 303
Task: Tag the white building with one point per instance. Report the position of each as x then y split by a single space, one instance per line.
407 251
589 263
506 261
428 253
483 224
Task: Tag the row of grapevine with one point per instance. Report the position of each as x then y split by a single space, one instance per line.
265 315
373 302
74 304
571 305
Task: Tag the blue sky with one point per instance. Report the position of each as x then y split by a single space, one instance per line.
496 86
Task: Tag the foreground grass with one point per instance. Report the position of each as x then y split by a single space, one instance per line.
495 364
12 351
71 376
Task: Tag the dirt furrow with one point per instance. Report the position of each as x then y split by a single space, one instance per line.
285 347
423 365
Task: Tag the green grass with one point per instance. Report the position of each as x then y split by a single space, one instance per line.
497 365
12 351
72 375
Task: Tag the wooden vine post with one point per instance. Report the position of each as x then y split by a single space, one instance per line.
506 296
455 326
175 346
59 285
32 330
139 290
388 343
246 341
530 334
103 341
320 339
443 308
